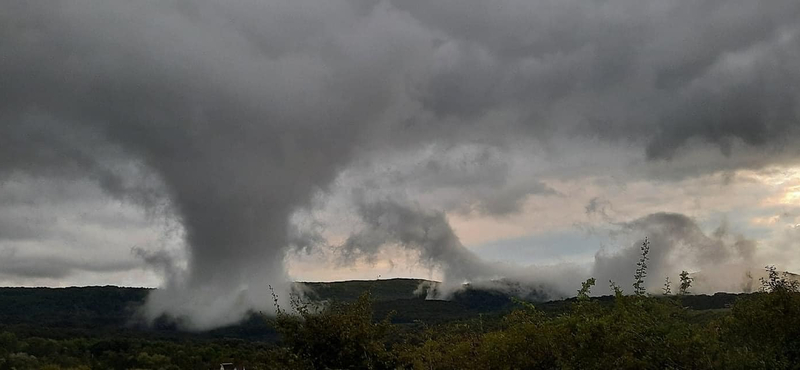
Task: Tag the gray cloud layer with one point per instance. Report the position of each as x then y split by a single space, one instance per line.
676 244
389 223
241 112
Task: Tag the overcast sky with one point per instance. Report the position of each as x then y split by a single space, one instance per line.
210 146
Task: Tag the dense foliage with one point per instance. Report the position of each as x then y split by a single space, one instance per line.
761 331
758 331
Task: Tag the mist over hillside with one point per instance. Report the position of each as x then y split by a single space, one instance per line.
111 310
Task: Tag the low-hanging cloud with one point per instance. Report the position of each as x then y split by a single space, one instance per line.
721 261
12 264
390 223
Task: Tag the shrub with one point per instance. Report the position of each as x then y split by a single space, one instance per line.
338 336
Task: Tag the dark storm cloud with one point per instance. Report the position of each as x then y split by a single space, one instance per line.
665 72
388 222
19 228
227 125
243 111
467 179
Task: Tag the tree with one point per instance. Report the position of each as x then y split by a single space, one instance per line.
615 288
667 286
586 286
337 336
766 325
686 283
641 269
777 282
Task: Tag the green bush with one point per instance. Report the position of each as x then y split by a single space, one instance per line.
338 336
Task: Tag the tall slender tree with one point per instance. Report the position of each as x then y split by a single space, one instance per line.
686 283
641 269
